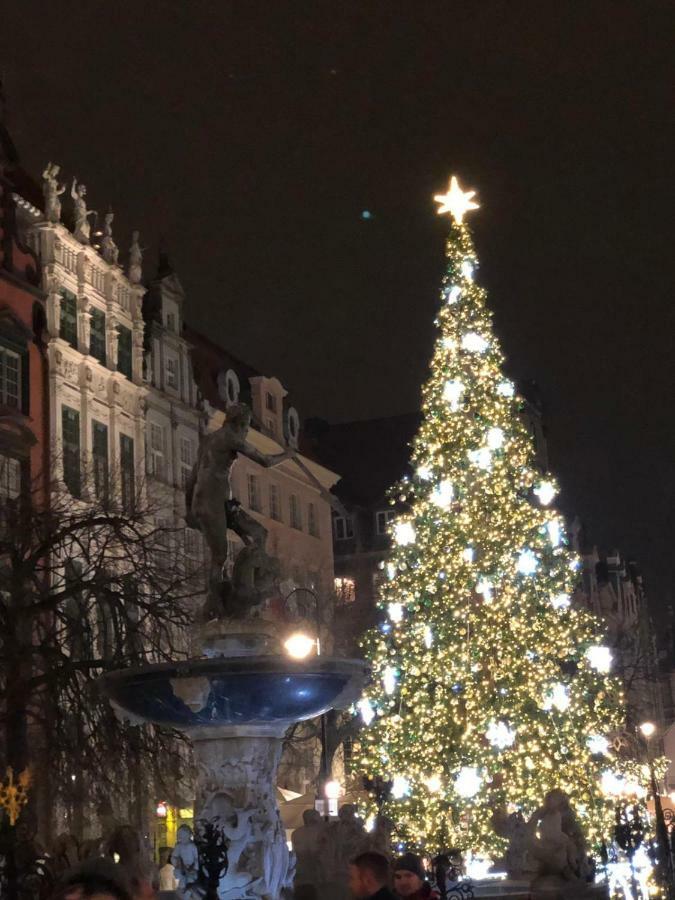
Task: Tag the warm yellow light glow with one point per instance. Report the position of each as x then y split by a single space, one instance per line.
299 645
457 202
648 729
332 789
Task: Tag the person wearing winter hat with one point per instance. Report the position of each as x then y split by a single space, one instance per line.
409 879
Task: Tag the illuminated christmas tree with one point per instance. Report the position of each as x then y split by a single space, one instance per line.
489 687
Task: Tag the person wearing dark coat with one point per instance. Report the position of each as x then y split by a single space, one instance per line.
409 879
369 877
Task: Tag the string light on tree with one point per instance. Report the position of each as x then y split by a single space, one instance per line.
484 682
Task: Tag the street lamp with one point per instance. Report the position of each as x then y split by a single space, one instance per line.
648 730
300 645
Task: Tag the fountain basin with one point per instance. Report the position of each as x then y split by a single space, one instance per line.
240 691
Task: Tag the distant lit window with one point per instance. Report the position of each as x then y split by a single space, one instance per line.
345 590
253 483
10 477
275 502
312 522
296 517
382 519
343 528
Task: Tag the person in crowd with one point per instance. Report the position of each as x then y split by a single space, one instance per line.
167 875
410 880
98 879
369 877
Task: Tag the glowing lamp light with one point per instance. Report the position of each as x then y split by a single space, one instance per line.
443 495
299 645
365 707
369 824
389 678
474 343
648 729
452 393
481 458
597 744
428 637
558 698
600 658
404 533
506 389
495 438
332 789
395 612
457 202
400 787
500 735
162 810
527 563
433 784
545 492
560 601
468 782
452 294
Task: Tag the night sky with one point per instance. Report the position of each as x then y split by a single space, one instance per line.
251 137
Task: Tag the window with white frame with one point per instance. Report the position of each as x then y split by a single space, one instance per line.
275 502
172 372
10 378
312 521
187 459
157 458
296 516
343 528
10 477
253 483
382 519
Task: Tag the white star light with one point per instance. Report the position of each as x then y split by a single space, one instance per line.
500 735
481 458
442 495
395 611
560 601
452 393
558 697
495 438
367 712
457 202
389 680
391 571
424 473
485 588
527 563
467 554
505 389
474 343
468 782
600 658
554 532
449 343
428 637
597 744
400 787
452 294
545 492
404 533
433 784
467 269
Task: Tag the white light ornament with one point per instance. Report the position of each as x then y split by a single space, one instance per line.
500 735
486 589
545 492
449 344
506 389
457 202
474 342
442 496
365 707
452 393
424 473
467 269
468 554
482 458
554 529
597 744
404 533
611 784
391 571
452 294
400 787
389 679
495 438
600 659
468 782
395 612
557 698
560 601
433 784
428 637
527 563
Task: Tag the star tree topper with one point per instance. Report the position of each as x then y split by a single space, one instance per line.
457 202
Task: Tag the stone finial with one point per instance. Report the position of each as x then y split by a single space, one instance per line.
135 271
82 229
52 191
109 249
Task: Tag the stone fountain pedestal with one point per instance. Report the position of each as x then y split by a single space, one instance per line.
235 702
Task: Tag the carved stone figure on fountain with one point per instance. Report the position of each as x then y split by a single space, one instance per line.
52 191
235 826
135 271
379 839
82 227
306 842
185 860
212 509
518 860
109 249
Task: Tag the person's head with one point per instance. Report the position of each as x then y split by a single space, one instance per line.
368 873
184 834
408 875
98 879
238 416
311 817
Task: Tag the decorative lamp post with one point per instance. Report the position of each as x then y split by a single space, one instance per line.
665 862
